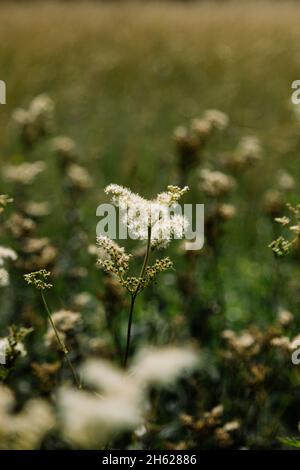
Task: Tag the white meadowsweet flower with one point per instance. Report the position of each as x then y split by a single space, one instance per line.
216 183
91 419
24 173
139 214
162 366
249 150
123 197
24 430
111 256
216 118
7 253
110 380
79 177
36 121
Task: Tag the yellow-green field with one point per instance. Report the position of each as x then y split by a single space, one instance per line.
123 77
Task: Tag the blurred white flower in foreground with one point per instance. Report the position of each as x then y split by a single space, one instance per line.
89 419
6 253
25 430
162 366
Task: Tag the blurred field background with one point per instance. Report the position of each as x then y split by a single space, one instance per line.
123 76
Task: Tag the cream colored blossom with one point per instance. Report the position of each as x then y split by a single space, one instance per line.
36 121
24 173
36 209
282 342
112 257
39 279
65 148
7 253
4 200
140 214
163 366
79 177
4 277
5 347
216 183
122 400
226 211
249 150
26 429
286 181
216 118
285 317
89 421
241 342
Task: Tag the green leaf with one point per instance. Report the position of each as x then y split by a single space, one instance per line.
290 441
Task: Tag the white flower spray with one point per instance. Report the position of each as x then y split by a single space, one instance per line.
152 220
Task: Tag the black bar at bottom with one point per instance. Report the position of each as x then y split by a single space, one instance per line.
137 459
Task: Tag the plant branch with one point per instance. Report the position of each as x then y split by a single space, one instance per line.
134 295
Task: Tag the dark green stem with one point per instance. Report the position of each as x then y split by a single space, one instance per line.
134 296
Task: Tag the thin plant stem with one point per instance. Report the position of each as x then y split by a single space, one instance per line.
61 343
134 296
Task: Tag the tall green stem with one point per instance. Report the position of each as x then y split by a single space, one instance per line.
61 343
134 296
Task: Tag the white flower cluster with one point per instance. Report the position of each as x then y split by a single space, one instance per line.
215 183
65 148
26 429
212 120
217 119
24 173
123 396
5 253
249 150
161 217
111 256
79 177
37 120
